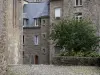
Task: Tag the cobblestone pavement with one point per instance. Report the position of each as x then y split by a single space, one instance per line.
52 70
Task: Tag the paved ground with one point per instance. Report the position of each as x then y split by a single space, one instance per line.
53 70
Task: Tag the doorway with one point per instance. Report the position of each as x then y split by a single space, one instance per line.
36 59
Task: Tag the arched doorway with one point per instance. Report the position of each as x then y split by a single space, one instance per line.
36 59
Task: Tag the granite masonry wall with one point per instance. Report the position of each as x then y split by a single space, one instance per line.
7 30
82 61
14 31
3 38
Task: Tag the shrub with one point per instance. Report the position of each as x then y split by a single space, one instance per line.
80 54
76 37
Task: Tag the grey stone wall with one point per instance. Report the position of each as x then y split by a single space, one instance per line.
90 11
3 38
29 48
53 5
5 24
82 61
6 30
44 39
14 31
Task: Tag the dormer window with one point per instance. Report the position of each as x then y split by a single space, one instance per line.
25 22
57 13
37 22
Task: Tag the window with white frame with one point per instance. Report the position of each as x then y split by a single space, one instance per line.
78 16
36 22
25 22
36 40
57 13
78 2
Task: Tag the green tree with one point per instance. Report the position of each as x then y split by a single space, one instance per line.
75 35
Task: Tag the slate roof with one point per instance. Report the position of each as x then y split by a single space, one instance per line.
36 10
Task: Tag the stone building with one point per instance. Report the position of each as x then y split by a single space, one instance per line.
35 33
88 9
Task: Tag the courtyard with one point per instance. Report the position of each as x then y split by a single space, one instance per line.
52 70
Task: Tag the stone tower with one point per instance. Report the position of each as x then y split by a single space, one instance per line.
10 33
14 31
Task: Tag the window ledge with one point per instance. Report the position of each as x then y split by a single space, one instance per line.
32 27
57 18
78 6
36 45
36 25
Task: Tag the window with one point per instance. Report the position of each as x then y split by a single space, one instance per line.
36 40
43 50
78 16
44 35
57 13
43 22
78 2
25 22
37 22
23 39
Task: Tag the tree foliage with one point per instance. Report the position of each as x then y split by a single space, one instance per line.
75 35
